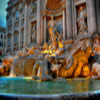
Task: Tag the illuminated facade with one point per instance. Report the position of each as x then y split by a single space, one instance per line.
27 20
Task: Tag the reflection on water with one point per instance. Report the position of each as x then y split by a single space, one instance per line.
27 86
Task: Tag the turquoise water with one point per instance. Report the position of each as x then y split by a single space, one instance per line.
30 87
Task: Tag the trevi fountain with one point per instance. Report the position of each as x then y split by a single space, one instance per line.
58 69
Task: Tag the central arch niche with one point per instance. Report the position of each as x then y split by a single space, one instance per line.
54 7
53 4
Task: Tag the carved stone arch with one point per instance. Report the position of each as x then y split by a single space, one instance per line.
53 4
51 8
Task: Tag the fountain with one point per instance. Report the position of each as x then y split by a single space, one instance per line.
69 63
67 71
52 60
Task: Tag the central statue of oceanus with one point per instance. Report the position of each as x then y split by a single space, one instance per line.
52 28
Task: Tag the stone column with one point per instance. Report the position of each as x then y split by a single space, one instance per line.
29 33
29 26
45 29
91 16
38 23
98 14
20 21
12 42
69 18
42 30
25 24
64 25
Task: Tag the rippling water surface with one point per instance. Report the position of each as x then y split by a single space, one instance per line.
30 87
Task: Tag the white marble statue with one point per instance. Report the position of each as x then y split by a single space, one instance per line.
33 34
81 21
52 28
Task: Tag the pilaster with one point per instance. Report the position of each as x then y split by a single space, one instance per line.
92 25
69 18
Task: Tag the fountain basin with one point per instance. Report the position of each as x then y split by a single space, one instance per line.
27 89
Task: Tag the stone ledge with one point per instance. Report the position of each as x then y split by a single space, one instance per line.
77 96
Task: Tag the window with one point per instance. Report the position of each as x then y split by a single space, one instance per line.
17 14
22 37
16 38
1 44
4 37
1 36
9 41
10 18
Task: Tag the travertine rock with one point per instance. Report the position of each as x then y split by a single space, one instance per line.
96 70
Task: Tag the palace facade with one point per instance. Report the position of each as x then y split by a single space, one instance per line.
27 20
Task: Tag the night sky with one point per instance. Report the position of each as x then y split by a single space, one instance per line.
3 6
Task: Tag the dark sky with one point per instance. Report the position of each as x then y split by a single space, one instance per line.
3 6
